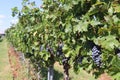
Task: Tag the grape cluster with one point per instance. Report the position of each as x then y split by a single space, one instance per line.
41 48
65 60
59 49
80 59
96 55
50 50
117 51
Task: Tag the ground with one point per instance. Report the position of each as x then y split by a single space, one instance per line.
5 70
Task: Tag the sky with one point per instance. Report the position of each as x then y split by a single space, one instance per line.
5 12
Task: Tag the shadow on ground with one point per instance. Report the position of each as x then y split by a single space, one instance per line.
57 75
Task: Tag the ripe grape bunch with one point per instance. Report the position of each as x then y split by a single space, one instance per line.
65 60
79 59
117 51
96 55
41 48
59 49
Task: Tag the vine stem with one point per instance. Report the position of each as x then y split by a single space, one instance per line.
66 68
50 73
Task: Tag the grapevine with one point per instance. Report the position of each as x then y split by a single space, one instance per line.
80 34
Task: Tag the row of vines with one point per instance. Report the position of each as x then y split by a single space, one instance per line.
0 38
76 33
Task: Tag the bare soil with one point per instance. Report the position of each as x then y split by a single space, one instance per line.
15 64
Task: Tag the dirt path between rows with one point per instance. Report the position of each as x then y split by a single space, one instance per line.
16 66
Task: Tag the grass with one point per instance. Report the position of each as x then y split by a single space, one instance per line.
82 75
5 71
58 74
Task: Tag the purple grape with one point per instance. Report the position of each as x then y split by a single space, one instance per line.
96 55
117 51
80 59
59 50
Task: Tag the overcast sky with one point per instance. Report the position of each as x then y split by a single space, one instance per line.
5 12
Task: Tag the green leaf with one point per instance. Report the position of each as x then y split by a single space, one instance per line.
36 43
69 53
115 19
117 8
14 11
94 23
110 11
44 54
81 26
68 28
67 7
32 19
107 42
75 2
